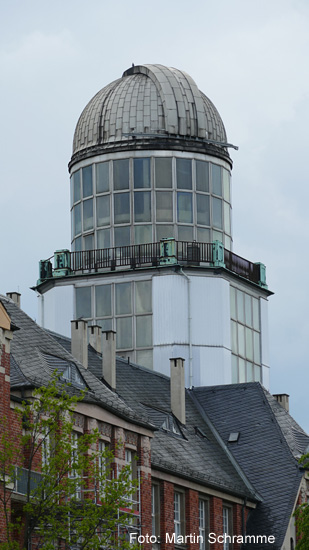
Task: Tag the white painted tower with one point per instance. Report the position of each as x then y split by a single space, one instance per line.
151 234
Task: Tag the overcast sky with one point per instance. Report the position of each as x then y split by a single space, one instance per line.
250 57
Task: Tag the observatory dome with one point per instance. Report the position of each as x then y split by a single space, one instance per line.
149 105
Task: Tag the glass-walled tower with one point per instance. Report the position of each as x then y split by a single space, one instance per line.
150 162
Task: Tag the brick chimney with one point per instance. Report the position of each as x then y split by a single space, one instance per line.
283 399
178 398
15 296
95 337
79 341
109 357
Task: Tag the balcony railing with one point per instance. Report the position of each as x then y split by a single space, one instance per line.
165 252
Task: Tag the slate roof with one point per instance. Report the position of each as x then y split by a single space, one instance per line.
188 454
267 449
30 348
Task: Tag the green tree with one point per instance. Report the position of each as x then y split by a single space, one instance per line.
75 500
302 515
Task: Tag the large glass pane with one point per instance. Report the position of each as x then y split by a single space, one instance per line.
217 236
88 242
184 173
256 347
144 358
87 181
217 212
163 172
76 186
227 218
216 180
226 185
184 207
121 174
242 370
88 214
103 300
227 243
122 236
122 208
142 206
141 173
103 210
71 191
78 244
250 374
142 234
123 298
234 370
249 343
164 206
240 306
102 177
202 209
233 302
103 238
124 332
77 219
185 233
256 316
202 176
83 302
144 331
203 235
165 231
105 324
257 373
143 298
234 337
248 310
241 339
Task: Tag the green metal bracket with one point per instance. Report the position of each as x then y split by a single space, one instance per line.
45 271
262 281
168 252
62 263
218 254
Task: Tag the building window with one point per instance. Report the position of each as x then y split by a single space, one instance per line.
154 191
203 509
74 474
179 514
227 527
155 509
245 337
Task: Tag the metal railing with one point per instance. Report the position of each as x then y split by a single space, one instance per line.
242 267
160 253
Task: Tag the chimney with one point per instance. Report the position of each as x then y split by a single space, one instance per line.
283 399
15 296
95 337
109 357
178 399
79 341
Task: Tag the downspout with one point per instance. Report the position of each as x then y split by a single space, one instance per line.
189 327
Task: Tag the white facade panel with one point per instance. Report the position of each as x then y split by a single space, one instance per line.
210 311
56 309
215 367
170 309
265 377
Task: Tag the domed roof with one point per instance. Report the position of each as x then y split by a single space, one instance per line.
149 102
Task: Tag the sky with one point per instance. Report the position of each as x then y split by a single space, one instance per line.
249 57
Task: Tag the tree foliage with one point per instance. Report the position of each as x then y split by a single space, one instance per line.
75 500
302 515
